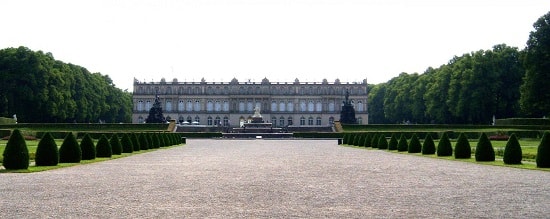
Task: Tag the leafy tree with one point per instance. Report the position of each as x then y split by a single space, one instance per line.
376 104
414 145
402 145
103 147
70 151
127 145
429 145
444 147
16 153
484 149
88 148
512 151
392 145
462 147
116 147
382 142
47 153
535 91
543 151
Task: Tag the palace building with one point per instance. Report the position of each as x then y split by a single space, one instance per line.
231 104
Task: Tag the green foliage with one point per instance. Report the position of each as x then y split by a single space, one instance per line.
484 149
414 145
392 145
444 147
88 148
357 139
512 151
16 153
543 151
368 139
143 141
429 146
382 142
70 151
135 141
462 147
155 143
103 147
116 147
47 153
127 145
374 140
402 145
155 113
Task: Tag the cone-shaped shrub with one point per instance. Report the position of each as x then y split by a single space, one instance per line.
382 142
70 151
543 151
47 153
127 146
135 141
414 145
345 139
116 147
402 145
155 139
444 147
143 141
88 148
163 139
152 142
484 149
429 146
16 153
355 140
374 140
368 139
512 151
392 145
103 147
462 147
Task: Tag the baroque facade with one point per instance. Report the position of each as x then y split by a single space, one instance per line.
230 104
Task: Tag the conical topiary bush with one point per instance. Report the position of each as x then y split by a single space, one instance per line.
88 148
135 141
462 147
368 139
47 153
103 147
356 139
374 140
382 142
402 145
414 145
127 145
16 153
484 149
116 147
444 147
429 146
512 151
543 151
70 151
392 145
143 141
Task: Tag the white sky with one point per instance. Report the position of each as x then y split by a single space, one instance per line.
252 39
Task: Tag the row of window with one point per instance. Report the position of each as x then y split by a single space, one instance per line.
223 106
276 122
254 90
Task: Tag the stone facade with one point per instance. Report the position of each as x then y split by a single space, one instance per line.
232 103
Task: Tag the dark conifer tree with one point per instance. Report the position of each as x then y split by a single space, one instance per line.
444 147
16 153
88 147
103 147
392 145
127 145
429 146
463 150
70 151
402 145
543 151
414 145
484 149
116 147
47 153
512 151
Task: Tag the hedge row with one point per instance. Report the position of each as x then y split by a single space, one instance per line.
469 135
439 127
87 126
523 121
484 150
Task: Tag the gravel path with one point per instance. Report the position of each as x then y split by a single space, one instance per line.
276 178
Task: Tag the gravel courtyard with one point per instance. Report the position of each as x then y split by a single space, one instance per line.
276 178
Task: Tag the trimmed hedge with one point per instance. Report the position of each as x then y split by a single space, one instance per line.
16 153
444 147
512 151
392 145
484 149
88 148
543 151
402 145
116 147
429 146
374 140
382 142
127 145
143 141
70 151
367 142
135 141
462 148
414 145
103 147
47 153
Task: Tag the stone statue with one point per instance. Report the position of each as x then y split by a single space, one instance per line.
257 112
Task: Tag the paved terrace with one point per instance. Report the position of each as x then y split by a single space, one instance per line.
276 178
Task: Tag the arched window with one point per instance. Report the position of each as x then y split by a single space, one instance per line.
181 106
319 106
310 121
225 106
197 90
217 121
331 106
197 119
169 90
290 120
189 106
290 106
310 106
140 106
181 119
217 106
197 105
273 106
302 121
147 105
189 120
282 106
140 119
274 121
209 120
318 121
282 121
225 121
331 120
359 120
249 106
209 106
302 106
241 106
168 106
360 106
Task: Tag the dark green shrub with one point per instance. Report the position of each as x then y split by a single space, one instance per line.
143 141
360 140
414 145
462 147
47 153
345 139
152 142
402 145
116 147
374 140
393 142
103 147
444 147
126 142
382 142
429 146
512 151
16 153
484 149
543 151
88 148
368 139
155 140
70 151
164 138
135 141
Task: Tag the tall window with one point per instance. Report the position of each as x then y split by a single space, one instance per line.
189 106
140 119
290 121
217 121
302 106
310 121
225 121
241 106
140 106
282 106
168 106
217 106
274 121
331 120
282 121
197 105
147 105
360 120
209 106
319 106
310 106
360 106
290 106
209 120
249 106
302 121
273 106
197 119
181 106
318 121
331 106
225 106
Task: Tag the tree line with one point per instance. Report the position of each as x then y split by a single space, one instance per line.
473 88
38 88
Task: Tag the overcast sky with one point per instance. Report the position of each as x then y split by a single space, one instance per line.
252 39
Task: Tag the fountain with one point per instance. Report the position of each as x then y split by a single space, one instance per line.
257 128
